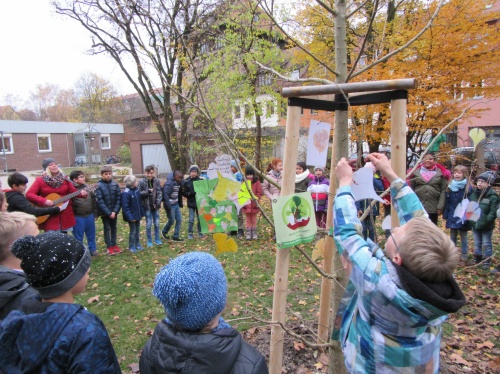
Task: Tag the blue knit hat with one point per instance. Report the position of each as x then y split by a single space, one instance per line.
192 289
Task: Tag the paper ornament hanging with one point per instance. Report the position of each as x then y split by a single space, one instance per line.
477 135
362 185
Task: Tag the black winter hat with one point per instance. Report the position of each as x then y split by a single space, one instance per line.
47 162
487 177
249 171
53 262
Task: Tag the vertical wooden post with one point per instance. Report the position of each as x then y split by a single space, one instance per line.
398 144
283 255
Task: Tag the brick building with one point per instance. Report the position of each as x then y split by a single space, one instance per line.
24 144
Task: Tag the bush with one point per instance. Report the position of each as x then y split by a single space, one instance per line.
124 153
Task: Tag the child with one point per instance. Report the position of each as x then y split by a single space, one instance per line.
19 203
193 289
172 201
14 290
239 178
482 229
133 211
54 335
319 191
395 303
274 173
251 210
152 196
84 213
109 204
302 177
458 190
369 222
188 192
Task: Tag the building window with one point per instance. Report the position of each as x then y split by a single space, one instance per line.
269 108
219 42
6 146
44 144
313 112
283 108
295 74
237 112
105 141
264 79
204 48
248 111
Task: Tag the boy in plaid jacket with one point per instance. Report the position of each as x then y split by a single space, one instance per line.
395 302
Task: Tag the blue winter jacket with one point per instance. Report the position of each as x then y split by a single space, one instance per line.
133 209
168 189
451 202
55 338
108 197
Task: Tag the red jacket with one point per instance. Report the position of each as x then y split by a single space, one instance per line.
257 192
37 193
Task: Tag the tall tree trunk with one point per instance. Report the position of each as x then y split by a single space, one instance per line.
336 362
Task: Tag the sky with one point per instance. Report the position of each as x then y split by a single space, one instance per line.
39 46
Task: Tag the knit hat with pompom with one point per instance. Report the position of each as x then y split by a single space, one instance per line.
192 289
53 262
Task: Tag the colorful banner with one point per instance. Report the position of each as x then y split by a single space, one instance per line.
294 219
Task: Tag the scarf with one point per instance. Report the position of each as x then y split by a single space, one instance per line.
276 174
222 324
427 174
300 177
54 182
457 185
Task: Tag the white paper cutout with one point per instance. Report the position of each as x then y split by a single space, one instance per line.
317 143
362 185
477 135
64 206
387 223
223 165
467 211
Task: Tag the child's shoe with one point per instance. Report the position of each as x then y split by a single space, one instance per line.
165 235
190 236
254 233
116 249
132 249
158 242
149 244
240 234
249 234
111 251
464 257
140 248
94 253
177 239
486 264
200 235
478 259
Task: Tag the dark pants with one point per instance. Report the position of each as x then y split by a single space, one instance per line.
109 231
433 217
133 235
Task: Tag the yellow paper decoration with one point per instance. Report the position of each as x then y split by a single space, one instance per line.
225 188
477 135
224 243
319 249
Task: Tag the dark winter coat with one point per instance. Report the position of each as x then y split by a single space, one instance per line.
19 203
84 207
151 200
362 205
55 338
432 194
132 207
14 290
302 181
451 202
488 202
169 189
257 193
222 352
319 192
108 197
37 194
187 190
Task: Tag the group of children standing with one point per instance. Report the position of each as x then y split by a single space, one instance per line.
140 198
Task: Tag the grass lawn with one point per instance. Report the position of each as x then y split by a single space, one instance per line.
119 292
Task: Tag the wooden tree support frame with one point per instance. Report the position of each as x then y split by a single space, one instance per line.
393 91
